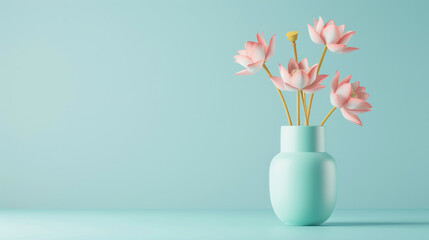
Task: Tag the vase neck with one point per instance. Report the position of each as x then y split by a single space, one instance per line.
302 139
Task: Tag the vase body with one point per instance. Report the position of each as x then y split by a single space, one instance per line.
303 182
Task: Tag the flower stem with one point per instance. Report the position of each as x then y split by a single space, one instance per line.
327 116
298 121
321 60
281 97
298 93
294 51
304 106
317 73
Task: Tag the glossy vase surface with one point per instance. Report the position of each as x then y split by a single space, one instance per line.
303 181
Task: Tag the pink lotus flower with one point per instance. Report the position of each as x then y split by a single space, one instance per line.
299 76
331 35
254 55
350 98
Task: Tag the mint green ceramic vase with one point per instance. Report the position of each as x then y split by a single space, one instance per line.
303 182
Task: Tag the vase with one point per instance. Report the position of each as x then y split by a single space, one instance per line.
303 182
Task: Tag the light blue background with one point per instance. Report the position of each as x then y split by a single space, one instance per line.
128 104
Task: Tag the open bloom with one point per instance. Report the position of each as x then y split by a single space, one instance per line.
331 35
254 55
350 98
299 76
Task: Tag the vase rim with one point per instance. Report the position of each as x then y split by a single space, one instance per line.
302 139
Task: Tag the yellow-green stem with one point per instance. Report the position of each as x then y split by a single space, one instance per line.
294 51
281 97
309 105
298 121
321 60
317 73
298 93
305 107
327 116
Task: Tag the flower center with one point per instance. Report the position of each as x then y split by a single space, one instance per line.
295 70
353 94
